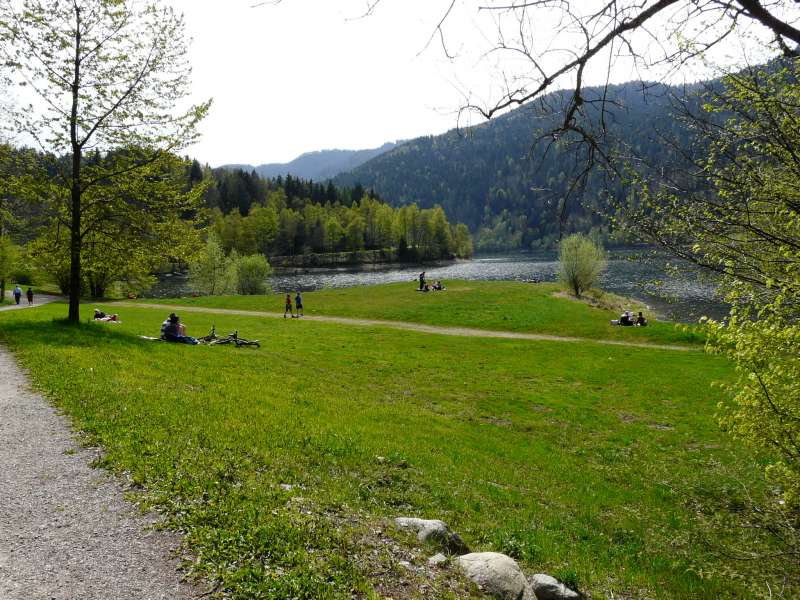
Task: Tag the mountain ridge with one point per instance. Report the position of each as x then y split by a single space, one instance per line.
317 165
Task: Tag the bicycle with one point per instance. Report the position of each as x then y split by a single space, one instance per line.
212 339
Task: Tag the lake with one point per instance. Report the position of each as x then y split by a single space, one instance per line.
679 293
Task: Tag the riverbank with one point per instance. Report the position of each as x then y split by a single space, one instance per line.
682 296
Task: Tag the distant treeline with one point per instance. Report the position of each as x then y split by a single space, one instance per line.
287 216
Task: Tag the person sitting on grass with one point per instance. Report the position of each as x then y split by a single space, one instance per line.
172 330
625 319
641 321
438 286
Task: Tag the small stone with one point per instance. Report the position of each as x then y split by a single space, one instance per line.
287 487
546 587
437 560
496 574
434 531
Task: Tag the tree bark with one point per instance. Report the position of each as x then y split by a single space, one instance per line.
75 188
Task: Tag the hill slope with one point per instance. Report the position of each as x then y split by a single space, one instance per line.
319 165
496 177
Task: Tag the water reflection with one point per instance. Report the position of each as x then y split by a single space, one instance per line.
681 294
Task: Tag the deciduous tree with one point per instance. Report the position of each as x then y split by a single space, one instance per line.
100 75
581 262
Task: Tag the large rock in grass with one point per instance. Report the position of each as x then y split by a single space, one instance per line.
546 587
496 574
434 531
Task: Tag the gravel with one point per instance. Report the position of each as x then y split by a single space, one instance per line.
66 530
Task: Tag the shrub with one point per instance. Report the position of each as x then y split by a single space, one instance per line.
210 273
581 261
251 274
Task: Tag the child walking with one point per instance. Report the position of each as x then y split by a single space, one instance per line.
288 308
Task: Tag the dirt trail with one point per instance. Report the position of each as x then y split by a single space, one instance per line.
66 530
455 331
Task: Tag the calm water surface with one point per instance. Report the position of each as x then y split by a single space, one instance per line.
680 293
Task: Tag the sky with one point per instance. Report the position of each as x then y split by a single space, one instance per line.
308 75
303 75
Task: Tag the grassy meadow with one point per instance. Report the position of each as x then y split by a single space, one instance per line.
580 460
495 305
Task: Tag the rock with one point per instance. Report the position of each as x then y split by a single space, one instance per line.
435 531
546 587
287 487
496 574
437 560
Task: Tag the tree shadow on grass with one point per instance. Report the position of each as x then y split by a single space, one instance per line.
60 332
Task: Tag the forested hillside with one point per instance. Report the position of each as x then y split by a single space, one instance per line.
290 216
498 180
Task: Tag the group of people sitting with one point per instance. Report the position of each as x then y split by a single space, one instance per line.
628 319
424 286
172 330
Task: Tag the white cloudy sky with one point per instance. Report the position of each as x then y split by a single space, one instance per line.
305 75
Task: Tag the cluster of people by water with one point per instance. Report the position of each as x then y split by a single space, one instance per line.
628 319
424 286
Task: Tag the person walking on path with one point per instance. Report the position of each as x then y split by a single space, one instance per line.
17 294
298 304
29 293
288 308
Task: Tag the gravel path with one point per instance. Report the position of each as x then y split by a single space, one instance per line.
456 331
66 531
38 300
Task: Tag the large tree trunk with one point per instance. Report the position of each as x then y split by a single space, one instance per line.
75 243
75 196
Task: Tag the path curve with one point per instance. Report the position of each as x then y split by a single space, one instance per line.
408 326
66 530
38 300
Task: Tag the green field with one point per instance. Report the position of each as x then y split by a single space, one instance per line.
497 305
580 460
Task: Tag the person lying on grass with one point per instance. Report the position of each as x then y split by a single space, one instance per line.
99 315
172 330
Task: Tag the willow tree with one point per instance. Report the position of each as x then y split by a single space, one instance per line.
98 76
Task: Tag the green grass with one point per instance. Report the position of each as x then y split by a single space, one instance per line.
495 305
576 459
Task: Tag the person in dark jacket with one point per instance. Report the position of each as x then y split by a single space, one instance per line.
172 330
